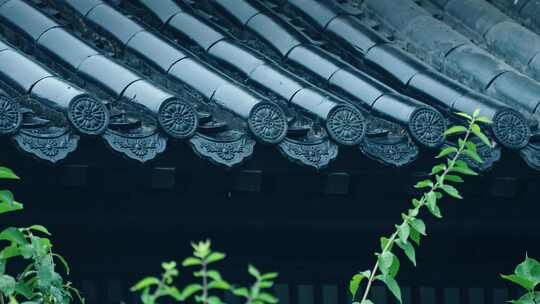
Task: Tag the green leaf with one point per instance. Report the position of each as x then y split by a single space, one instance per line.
385 261
389 263
529 270
525 283
415 236
266 284
409 250
453 178
6 173
528 299
267 298
384 242
63 261
5 207
392 286
214 300
473 155
214 257
189 291
478 132
45 271
413 212
242 292
431 202
2 266
455 130
438 168
7 197
254 271
168 266
394 269
7 284
9 252
354 284
418 225
476 113
173 292
366 302
463 170
14 235
201 249
146 282
484 119
446 151
214 275
269 275
452 191
23 289
465 115
191 261
424 184
40 229
219 285
403 231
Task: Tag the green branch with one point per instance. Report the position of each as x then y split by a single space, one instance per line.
387 265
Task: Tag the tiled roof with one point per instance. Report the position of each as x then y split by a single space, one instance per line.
308 77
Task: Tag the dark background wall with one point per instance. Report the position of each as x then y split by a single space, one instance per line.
116 220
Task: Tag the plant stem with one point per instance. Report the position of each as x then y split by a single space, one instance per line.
421 203
1 298
204 283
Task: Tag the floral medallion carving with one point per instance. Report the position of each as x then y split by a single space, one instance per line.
229 148
346 125
511 129
317 153
178 119
427 127
141 147
10 116
51 144
88 116
268 123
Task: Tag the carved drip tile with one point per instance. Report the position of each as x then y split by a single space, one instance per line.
229 148
51 144
317 153
398 151
531 155
388 143
141 147
488 155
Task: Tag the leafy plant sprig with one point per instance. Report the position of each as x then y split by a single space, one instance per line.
412 227
153 288
38 282
526 275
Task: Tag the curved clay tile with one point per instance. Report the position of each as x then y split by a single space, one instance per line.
407 72
343 122
176 117
46 135
425 124
505 37
87 115
525 10
180 66
458 57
